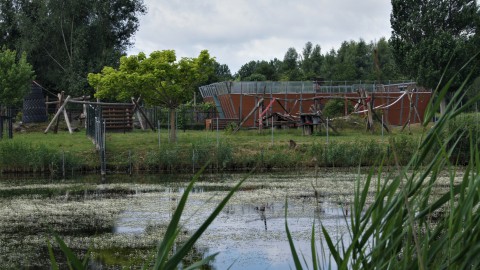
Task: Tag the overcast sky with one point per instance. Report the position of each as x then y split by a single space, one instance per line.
238 31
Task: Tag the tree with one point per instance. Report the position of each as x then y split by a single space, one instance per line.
312 61
222 73
384 62
159 79
16 76
290 67
66 39
329 65
346 69
363 60
259 71
430 37
246 70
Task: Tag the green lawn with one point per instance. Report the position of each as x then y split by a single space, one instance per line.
245 149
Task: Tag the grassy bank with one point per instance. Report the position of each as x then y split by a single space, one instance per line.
141 150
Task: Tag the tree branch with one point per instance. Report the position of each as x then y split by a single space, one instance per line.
55 60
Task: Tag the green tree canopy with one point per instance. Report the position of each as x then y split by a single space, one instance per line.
16 76
290 68
66 39
159 79
259 71
312 61
353 61
384 61
429 36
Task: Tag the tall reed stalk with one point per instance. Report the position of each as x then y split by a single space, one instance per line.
409 225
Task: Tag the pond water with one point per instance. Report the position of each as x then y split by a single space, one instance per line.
121 218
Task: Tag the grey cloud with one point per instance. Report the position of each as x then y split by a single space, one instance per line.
237 29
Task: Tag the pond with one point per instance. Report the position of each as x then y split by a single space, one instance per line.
121 218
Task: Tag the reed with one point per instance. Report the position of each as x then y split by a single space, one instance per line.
409 225
18 156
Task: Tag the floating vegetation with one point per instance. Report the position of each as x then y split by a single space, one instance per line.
120 219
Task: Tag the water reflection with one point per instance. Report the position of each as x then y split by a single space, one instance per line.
249 232
251 236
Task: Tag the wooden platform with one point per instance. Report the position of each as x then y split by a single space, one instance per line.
118 117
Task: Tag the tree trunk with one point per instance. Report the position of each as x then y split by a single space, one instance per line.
173 128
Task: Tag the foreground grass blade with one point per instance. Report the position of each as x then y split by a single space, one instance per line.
295 257
313 248
202 262
173 227
332 247
71 257
182 252
53 262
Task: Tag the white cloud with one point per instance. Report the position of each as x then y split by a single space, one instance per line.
238 31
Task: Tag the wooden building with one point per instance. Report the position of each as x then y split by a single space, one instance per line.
399 102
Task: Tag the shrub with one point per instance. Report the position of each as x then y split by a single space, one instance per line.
465 128
336 107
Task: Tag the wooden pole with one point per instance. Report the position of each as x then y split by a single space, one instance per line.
65 114
143 114
57 114
61 98
248 115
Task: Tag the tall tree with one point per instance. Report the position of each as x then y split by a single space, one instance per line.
16 76
67 39
385 67
160 79
311 64
290 67
346 69
430 37
246 70
363 60
259 71
329 65
222 73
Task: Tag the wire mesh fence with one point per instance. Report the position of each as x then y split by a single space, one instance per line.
298 87
185 118
7 118
96 130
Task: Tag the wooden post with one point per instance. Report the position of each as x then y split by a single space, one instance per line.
143 114
61 98
370 112
46 105
57 114
65 114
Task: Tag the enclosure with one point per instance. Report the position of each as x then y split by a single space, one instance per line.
399 102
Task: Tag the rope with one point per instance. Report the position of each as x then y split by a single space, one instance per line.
43 88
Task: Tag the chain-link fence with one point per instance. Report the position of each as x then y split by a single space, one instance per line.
96 130
297 87
7 118
185 117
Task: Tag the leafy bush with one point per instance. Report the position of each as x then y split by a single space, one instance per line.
336 107
466 129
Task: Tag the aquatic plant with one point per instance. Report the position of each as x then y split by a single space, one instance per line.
409 224
163 259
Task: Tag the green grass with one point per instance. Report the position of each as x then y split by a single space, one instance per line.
50 153
140 150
